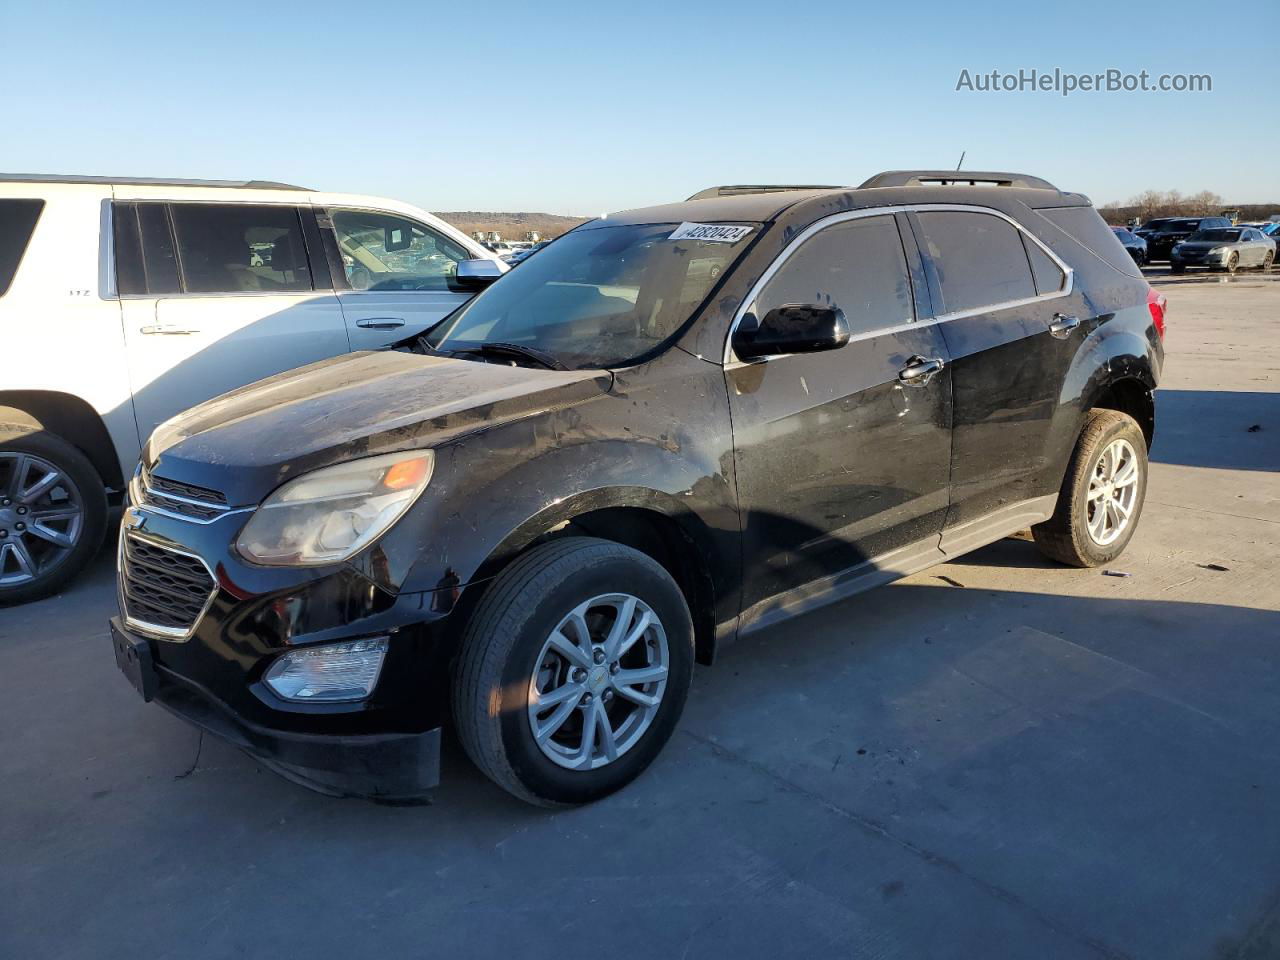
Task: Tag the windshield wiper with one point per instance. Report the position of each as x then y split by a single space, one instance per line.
513 349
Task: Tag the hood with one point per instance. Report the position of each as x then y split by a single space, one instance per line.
247 442
1203 246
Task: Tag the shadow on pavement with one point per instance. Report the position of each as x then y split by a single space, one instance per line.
1210 428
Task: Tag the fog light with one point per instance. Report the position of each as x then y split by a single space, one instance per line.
329 672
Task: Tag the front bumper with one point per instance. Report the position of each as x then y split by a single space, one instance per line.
388 766
1197 260
385 747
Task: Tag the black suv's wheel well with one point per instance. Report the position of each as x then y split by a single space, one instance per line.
1134 398
653 534
70 418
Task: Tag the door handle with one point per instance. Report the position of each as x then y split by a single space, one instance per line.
166 330
1062 325
380 323
920 370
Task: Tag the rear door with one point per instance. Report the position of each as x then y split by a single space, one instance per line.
1012 326
396 275
226 295
840 461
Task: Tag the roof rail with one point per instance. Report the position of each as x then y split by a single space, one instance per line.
738 189
149 181
965 178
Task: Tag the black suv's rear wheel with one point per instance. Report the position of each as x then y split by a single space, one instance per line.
574 670
53 513
1102 495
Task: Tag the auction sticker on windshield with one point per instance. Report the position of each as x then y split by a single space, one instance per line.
714 232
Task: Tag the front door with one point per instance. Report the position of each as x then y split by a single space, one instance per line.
229 299
841 458
398 276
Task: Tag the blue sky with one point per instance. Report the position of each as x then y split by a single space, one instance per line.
587 107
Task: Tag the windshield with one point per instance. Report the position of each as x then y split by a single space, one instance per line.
1218 236
600 296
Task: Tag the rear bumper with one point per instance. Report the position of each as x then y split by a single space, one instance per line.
391 766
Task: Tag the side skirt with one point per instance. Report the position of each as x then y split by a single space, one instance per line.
891 566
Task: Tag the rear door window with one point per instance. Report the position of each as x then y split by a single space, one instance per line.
1048 275
858 266
17 223
979 259
239 248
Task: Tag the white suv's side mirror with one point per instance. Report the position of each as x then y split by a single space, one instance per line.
477 273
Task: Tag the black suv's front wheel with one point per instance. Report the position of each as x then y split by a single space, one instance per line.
573 672
53 513
1102 495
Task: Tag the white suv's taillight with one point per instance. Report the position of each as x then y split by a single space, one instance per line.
328 672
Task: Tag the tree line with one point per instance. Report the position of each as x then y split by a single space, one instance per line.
1171 203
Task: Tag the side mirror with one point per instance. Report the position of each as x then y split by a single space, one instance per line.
791 328
477 274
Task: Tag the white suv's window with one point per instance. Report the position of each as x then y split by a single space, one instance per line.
17 223
240 248
385 252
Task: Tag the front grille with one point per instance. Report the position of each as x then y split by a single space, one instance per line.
188 490
184 499
162 588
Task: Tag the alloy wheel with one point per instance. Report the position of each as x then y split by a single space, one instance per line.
598 681
1113 492
41 517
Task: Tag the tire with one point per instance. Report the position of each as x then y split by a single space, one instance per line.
78 490
1177 268
1068 535
505 658
1233 263
1268 260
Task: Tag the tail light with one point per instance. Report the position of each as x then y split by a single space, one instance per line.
1156 304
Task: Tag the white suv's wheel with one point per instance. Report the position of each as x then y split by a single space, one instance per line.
53 513
574 670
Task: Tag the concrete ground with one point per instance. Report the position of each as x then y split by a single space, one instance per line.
996 758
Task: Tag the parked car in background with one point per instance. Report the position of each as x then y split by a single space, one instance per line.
131 300
1228 249
671 428
1271 230
500 247
1133 244
522 255
1163 233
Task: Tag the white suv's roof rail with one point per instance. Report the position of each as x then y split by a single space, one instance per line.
150 181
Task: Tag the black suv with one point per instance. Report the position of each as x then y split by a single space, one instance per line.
1164 233
673 427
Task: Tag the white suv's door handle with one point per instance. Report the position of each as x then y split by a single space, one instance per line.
380 323
166 330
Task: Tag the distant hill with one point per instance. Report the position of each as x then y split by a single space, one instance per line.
512 226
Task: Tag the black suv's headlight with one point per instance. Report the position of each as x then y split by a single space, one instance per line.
333 513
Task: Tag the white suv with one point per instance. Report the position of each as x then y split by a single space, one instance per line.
123 302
